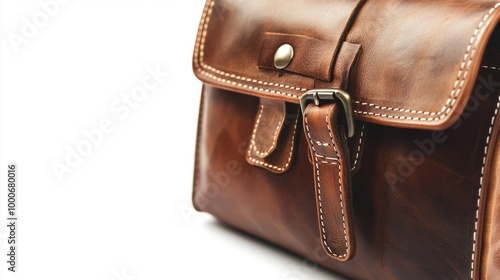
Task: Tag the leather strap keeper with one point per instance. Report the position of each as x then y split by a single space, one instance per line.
313 57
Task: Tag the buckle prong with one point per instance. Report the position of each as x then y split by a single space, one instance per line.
318 95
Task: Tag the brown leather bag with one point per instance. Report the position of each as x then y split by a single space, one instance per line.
362 135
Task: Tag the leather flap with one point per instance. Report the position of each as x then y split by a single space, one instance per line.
419 59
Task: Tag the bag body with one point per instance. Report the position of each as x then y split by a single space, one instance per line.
362 135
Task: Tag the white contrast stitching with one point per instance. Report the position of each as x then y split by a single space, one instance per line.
322 221
322 144
486 149
265 164
261 111
462 75
220 72
449 104
359 147
199 54
340 183
330 162
408 110
247 86
327 158
257 123
200 38
399 117
490 67
459 83
397 109
275 138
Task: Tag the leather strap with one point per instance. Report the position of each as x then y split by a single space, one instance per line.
331 65
312 57
274 136
346 60
324 127
329 152
268 125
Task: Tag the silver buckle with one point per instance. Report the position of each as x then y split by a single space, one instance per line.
318 95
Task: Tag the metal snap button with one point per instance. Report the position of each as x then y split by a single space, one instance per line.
283 56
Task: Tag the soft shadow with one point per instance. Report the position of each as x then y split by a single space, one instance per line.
296 260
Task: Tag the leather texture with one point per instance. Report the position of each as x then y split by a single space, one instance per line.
491 256
415 194
272 144
326 136
314 58
344 65
332 179
409 48
268 126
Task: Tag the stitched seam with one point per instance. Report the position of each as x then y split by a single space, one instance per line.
275 137
207 10
385 108
490 67
359 147
322 144
261 111
245 79
247 86
330 162
199 54
486 149
445 111
459 83
412 111
265 164
395 109
340 183
327 158
322 221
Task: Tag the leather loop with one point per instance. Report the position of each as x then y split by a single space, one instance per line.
332 179
342 70
268 125
273 139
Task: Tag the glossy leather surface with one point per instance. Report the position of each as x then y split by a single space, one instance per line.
425 201
327 142
409 48
414 218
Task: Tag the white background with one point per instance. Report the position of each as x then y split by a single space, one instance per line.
124 212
